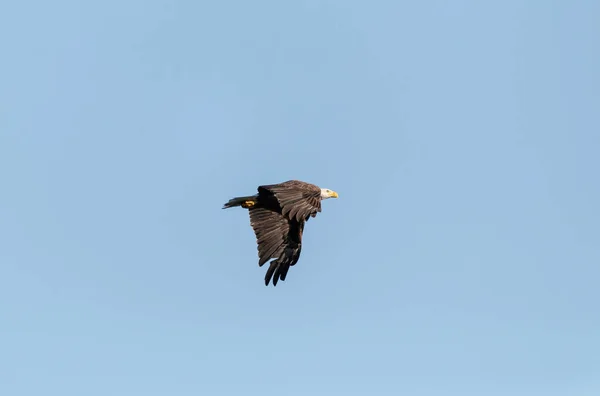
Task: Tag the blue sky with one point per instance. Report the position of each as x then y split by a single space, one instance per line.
460 259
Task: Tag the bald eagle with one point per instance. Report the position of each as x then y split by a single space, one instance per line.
278 214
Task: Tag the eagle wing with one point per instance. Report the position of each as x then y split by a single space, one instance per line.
298 200
278 238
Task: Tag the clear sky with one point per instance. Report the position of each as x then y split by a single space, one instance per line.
462 257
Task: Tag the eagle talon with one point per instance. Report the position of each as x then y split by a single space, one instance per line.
248 204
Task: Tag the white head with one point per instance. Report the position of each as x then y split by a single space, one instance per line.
327 193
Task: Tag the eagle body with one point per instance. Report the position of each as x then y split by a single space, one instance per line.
278 214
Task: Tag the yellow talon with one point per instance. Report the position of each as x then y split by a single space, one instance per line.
248 204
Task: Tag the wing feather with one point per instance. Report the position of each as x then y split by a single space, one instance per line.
271 231
298 200
277 238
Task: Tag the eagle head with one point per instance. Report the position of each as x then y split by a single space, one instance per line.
327 193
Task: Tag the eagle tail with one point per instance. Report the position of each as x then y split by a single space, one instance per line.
244 202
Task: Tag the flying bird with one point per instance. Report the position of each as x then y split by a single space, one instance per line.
278 214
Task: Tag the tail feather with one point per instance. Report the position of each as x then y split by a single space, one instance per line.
238 201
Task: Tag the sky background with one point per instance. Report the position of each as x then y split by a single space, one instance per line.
462 257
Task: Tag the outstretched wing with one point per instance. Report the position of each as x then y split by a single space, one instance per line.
277 238
297 201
